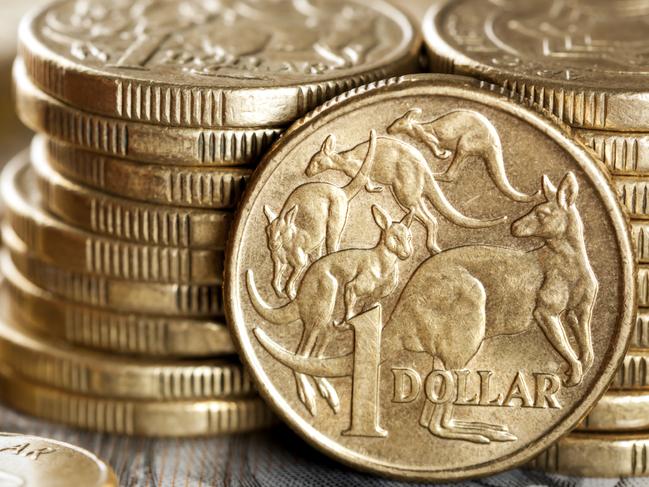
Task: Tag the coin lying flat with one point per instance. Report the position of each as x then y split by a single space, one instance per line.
619 411
188 300
130 220
137 140
583 61
109 330
623 153
77 250
633 374
597 455
213 64
140 418
46 361
198 187
30 461
448 322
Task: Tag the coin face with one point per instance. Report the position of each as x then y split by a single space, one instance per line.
29 461
205 63
416 276
584 61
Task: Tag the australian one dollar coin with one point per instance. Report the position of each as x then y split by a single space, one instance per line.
583 60
430 281
211 63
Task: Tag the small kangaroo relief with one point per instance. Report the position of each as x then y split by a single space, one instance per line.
353 280
402 168
310 224
464 135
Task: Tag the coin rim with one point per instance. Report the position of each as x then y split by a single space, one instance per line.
406 57
444 86
442 53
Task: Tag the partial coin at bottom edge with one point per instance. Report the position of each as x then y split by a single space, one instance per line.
31 461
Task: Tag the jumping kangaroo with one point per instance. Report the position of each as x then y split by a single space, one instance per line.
402 168
352 280
313 216
465 134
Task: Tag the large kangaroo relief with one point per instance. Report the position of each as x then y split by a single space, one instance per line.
559 296
446 308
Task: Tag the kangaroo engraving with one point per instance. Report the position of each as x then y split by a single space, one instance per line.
349 281
403 169
465 135
313 217
457 299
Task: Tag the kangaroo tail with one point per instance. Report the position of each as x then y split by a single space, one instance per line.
363 176
341 366
278 316
434 194
496 168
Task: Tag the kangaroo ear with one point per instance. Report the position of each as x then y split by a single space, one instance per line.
413 113
329 145
289 217
549 190
381 218
270 214
568 191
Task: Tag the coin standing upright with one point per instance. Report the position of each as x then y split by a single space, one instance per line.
584 63
462 309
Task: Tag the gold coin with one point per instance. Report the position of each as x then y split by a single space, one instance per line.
198 187
597 455
633 373
212 64
30 461
138 418
623 153
634 193
582 61
189 300
63 366
423 347
80 251
126 219
619 411
133 140
110 330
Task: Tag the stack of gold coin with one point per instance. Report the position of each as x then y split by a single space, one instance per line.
151 117
583 63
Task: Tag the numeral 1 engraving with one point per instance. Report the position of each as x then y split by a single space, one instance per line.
365 389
